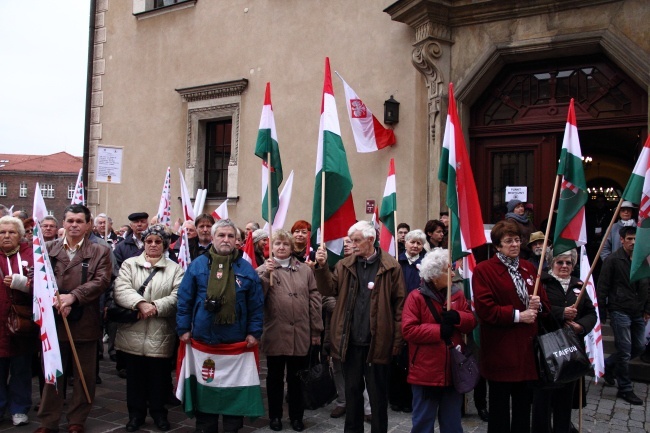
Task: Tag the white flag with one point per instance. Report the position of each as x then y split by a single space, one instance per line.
593 340
184 258
221 213
188 210
78 197
165 206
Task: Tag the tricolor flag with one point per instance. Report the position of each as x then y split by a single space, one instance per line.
638 191
249 251
78 196
219 379
165 206
469 263
221 213
369 134
267 145
45 289
593 340
331 160
455 170
387 213
184 258
571 229
188 210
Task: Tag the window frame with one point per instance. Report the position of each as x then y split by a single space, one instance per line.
22 190
3 189
47 190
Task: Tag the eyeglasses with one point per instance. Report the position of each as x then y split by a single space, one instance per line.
152 241
564 262
511 241
29 230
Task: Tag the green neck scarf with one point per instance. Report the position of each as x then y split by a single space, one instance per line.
221 286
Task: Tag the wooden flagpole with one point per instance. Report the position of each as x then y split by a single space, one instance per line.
322 210
270 209
548 229
600 249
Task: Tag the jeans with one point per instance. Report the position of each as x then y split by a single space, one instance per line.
445 406
629 340
16 391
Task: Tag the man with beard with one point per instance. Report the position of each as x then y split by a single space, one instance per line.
536 245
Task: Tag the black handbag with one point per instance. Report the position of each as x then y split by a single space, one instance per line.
560 357
317 382
118 314
465 373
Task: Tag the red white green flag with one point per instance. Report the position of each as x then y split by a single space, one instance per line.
455 170
638 191
248 251
267 144
165 205
387 212
222 379
570 228
331 159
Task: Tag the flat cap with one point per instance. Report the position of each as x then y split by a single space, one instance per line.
138 216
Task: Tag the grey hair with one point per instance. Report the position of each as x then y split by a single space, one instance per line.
365 227
106 217
573 254
434 264
50 218
17 222
417 235
223 223
4 210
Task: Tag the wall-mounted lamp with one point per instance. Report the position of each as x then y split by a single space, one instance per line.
391 111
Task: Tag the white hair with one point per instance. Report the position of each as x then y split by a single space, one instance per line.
572 254
365 227
416 234
434 264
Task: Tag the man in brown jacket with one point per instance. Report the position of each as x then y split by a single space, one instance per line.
366 323
83 271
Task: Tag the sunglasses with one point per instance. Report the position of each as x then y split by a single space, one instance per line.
151 241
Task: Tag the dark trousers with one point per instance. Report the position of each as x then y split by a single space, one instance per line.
355 369
480 394
146 385
556 402
78 408
275 385
501 394
400 394
209 422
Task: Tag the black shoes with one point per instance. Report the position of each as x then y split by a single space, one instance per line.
609 376
275 424
134 424
162 423
297 425
630 397
484 415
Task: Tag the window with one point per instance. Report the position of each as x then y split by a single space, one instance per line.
218 138
3 189
23 189
141 7
47 190
50 212
71 189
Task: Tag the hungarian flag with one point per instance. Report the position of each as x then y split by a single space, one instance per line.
267 149
45 289
283 208
369 134
165 206
186 202
331 160
593 340
638 191
387 213
455 170
221 213
184 257
249 251
571 229
78 196
221 379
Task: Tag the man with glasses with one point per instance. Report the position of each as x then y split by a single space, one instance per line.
628 307
49 227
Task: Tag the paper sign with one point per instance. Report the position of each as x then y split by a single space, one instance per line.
109 164
517 193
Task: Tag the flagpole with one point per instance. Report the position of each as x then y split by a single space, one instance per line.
74 351
270 214
322 210
600 249
449 246
580 404
395 227
548 229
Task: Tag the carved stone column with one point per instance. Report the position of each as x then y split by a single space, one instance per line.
431 56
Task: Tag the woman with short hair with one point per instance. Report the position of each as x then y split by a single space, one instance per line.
435 232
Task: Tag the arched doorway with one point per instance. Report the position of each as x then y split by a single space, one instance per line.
517 126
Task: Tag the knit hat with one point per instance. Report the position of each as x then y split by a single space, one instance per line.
512 204
259 235
158 230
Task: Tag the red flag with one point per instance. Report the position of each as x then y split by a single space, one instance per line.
249 251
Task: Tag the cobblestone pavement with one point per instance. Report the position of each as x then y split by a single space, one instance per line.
604 413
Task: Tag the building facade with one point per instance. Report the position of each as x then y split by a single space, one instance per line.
181 84
56 175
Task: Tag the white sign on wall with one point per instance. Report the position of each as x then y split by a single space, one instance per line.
109 164
517 193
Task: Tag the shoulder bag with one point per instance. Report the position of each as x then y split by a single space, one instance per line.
118 314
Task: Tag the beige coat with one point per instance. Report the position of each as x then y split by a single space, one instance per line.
154 337
292 310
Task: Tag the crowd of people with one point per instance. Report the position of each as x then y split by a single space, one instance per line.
386 323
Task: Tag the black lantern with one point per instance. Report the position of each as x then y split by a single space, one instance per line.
391 111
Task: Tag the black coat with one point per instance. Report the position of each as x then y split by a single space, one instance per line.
616 292
559 301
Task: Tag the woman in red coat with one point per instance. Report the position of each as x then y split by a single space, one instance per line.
508 313
429 361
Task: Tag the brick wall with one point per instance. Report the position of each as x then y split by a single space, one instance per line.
61 181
